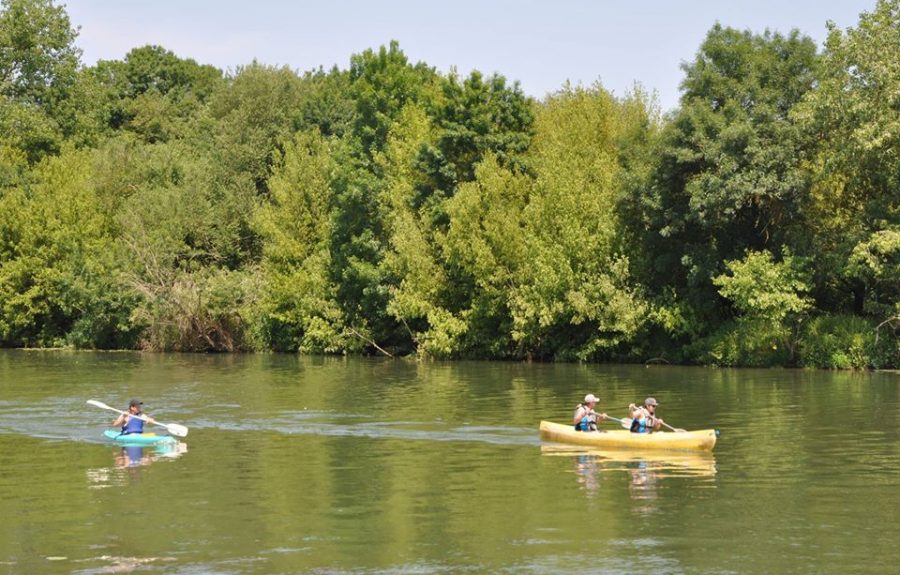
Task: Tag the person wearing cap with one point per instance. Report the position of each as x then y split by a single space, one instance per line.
643 418
132 424
585 418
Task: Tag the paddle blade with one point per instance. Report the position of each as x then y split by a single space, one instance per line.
99 404
624 422
177 430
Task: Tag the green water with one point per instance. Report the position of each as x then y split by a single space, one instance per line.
371 466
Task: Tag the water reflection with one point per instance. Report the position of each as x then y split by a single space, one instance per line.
127 461
645 469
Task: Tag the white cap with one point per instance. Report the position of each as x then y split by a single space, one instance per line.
590 398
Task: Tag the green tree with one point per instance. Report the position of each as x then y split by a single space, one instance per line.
853 118
382 83
327 103
413 258
154 93
261 106
178 253
472 117
576 298
876 264
730 174
38 67
485 253
298 308
58 261
770 298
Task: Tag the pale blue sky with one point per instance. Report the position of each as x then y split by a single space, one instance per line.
542 44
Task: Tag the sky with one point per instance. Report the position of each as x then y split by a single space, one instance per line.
541 44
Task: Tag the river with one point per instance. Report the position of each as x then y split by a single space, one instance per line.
376 466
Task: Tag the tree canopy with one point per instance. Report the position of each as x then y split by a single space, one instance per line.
159 203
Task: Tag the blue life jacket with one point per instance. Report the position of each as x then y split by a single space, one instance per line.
639 425
133 425
585 423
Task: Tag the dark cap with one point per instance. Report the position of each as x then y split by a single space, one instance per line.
650 401
134 402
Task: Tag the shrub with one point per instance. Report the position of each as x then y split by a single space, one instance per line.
846 342
743 343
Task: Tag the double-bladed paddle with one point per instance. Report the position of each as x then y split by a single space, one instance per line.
173 428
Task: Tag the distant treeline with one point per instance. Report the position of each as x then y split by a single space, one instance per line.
157 203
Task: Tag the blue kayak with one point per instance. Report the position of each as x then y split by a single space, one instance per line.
138 438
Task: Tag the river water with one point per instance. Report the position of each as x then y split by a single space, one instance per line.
376 466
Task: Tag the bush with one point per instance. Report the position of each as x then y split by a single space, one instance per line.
743 343
847 342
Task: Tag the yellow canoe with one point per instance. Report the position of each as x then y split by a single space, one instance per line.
703 440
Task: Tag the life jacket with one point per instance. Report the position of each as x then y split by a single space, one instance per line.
586 423
639 424
133 425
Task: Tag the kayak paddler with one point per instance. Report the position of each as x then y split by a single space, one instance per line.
643 418
132 424
585 418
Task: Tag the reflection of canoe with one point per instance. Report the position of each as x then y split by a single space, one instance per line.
684 462
138 438
703 440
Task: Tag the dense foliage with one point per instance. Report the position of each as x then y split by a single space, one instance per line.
158 203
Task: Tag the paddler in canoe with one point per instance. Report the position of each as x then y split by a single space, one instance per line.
133 424
643 417
585 418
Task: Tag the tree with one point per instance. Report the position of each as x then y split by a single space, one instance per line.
472 117
261 106
190 296
38 67
853 119
412 260
760 288
154 93
381 84
298 309
576 297
770 298
730 174
38 59
59 261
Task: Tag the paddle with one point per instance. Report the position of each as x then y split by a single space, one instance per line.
679 430
625 422
173 428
